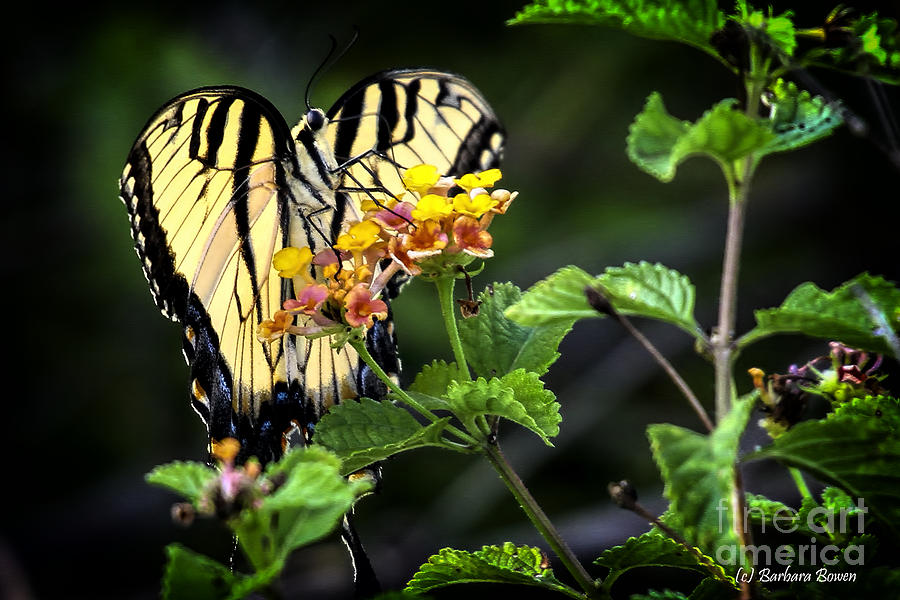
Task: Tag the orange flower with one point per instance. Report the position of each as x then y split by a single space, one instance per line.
471 238
273 329
426 240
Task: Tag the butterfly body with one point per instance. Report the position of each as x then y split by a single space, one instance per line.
217 183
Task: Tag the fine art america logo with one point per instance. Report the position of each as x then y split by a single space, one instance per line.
803 562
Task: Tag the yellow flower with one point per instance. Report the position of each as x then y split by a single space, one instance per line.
420 178
359 237
485 179
291 261
473 207
432 206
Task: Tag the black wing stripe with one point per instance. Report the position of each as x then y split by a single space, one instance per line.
248 138
196 133
388 115
348 126
215 133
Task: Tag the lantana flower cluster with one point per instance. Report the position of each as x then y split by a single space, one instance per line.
844 374
437 223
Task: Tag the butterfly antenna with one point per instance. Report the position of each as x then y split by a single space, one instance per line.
319 70
328 61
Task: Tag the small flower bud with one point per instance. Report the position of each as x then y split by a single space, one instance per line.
623 494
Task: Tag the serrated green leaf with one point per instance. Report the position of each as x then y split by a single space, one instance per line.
539 403
472 399
308 505
855 453
365 432
496 345
433 379
838 315
491 564
658 143
877 408
698 473
653 291
557 300
186 478
798 119
192 575
653 550
691 21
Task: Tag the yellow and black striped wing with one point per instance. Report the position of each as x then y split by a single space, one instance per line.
206 186
398 119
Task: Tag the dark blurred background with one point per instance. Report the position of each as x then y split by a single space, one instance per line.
96 392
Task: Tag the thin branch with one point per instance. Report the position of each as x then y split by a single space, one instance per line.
602 304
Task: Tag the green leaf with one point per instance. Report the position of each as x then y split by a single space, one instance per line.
557 300
434 379
186 478
651 291
798 119
855 453
307 506
653 550
691 21
765 512
473 399
876 408
192 575
775 31
539 403
364 432
496 345
492 564
839 315
658 142
712 589
698 473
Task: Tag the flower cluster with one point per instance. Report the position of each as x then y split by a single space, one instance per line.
437 223
235 488
844 374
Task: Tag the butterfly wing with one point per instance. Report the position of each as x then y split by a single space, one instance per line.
397 119
206 186
401 118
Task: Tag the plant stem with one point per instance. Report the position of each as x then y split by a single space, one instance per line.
445 285
680 383
360 347
539 519
722 342
800 483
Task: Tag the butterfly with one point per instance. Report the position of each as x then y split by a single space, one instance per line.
217 182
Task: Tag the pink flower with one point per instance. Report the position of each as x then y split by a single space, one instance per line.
361 307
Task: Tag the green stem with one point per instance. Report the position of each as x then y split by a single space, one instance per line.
360 347
540 521
445 285
800 483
